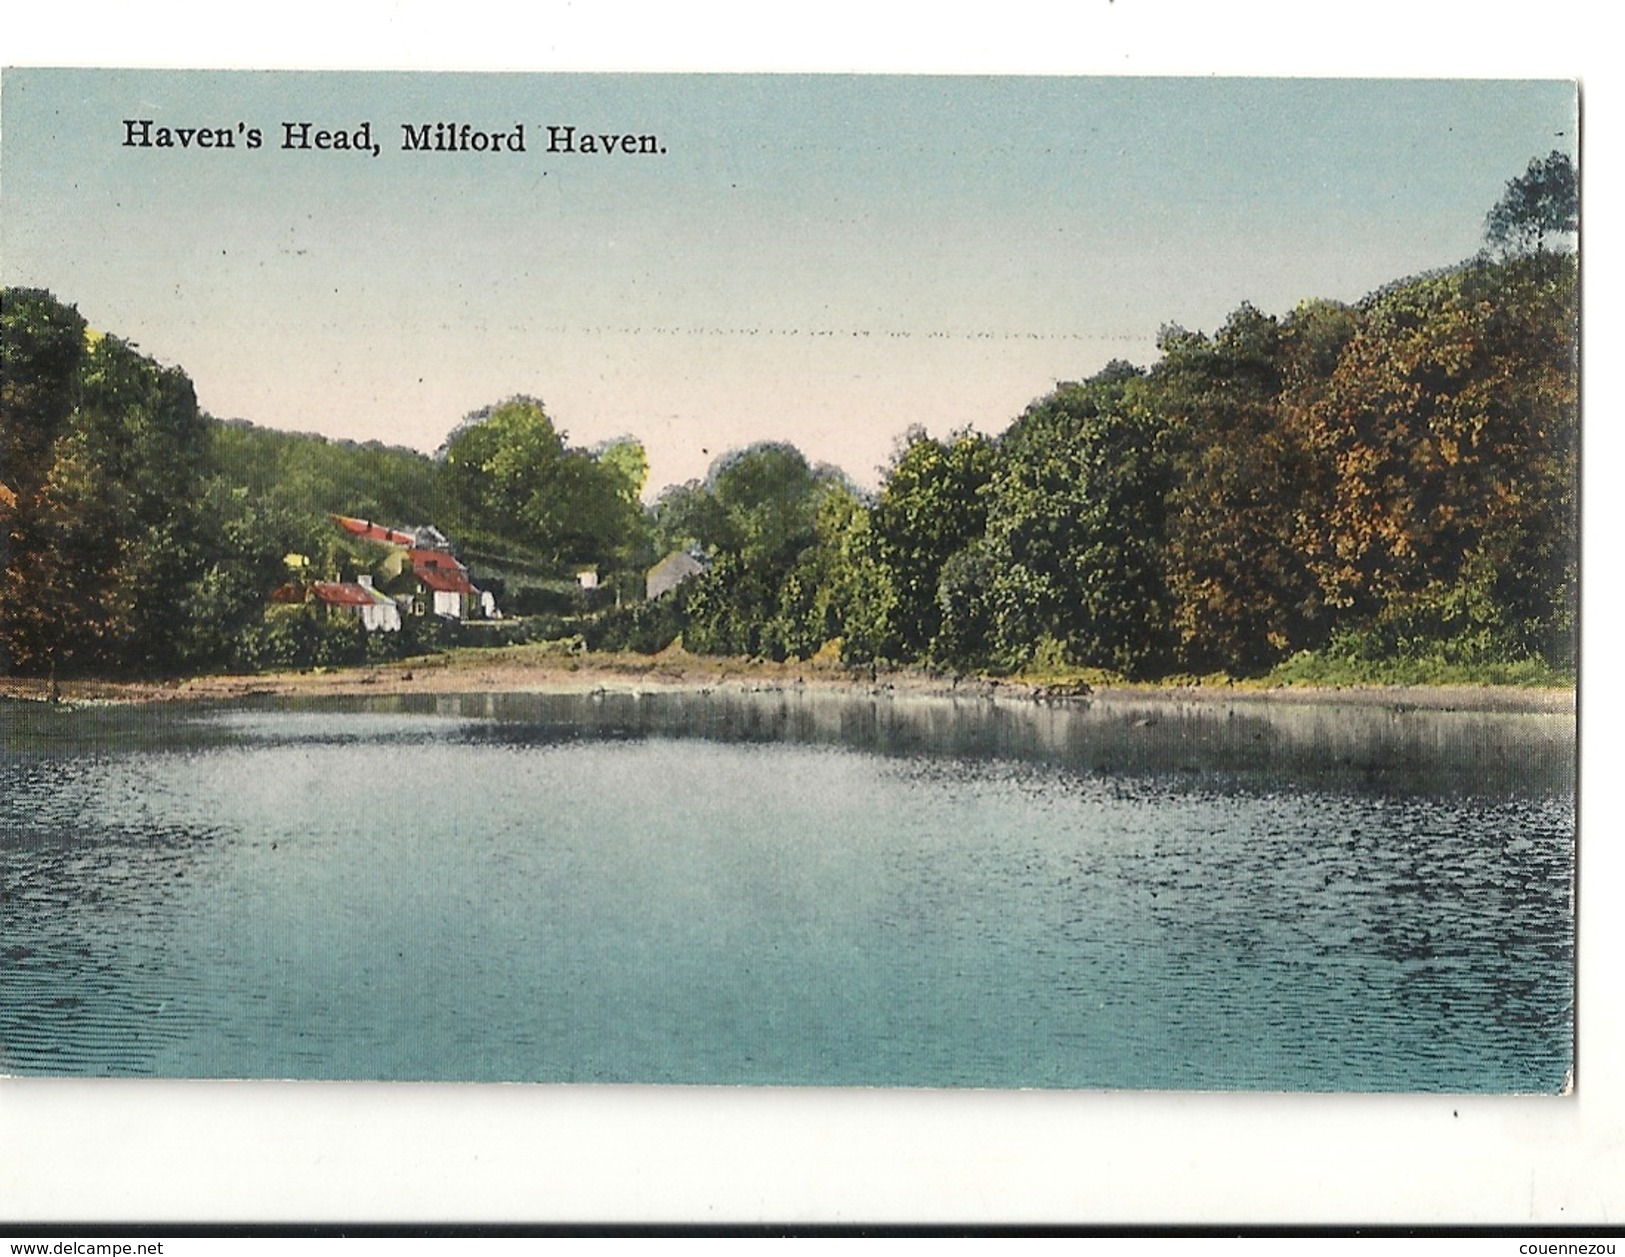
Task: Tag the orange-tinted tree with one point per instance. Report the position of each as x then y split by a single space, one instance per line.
1450 429
1242 594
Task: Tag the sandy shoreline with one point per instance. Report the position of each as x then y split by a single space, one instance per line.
501 672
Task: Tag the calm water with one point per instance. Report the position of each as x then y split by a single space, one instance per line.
785 888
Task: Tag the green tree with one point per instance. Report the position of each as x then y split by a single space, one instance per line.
1540 205
629 461
756 518
818 591
1451 424
510 475
1242 594
767 491
968 637
315 475
930 507
102 520
225 602
42 347
147 444
1075 533
689 516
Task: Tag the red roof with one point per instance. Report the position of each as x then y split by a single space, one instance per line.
445 581
342 594
440 572
374 532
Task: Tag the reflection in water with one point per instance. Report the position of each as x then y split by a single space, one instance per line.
794 888
1329 745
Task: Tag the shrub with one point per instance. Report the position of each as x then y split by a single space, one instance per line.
644 627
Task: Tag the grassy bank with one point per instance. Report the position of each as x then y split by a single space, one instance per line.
1322 670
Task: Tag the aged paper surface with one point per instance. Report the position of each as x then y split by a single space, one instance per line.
755 1114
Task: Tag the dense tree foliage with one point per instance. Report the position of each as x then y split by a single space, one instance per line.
1075 531
1449 430
142 536
43 345
1393 480
313 476
1390 481
510 474
1242 594
933 505
756 520
103 525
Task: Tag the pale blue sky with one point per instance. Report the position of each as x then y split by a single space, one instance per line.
819 259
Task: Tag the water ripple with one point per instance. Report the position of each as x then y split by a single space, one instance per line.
454 894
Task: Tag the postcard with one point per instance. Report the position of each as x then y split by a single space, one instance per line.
902 582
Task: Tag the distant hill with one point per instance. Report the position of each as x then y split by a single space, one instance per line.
309 472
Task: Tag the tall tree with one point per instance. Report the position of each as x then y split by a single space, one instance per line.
931 506
1541 205
1452 425
43 346
103 521
511 475
817 594
1075 532
767 492
756 518
1241 590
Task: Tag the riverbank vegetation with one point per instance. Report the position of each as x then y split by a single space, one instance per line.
1341 494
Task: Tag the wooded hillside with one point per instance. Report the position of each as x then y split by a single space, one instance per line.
1394 480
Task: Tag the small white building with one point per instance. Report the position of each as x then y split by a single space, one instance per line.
358 598
384 615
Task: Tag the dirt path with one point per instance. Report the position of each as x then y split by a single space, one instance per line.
521 671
